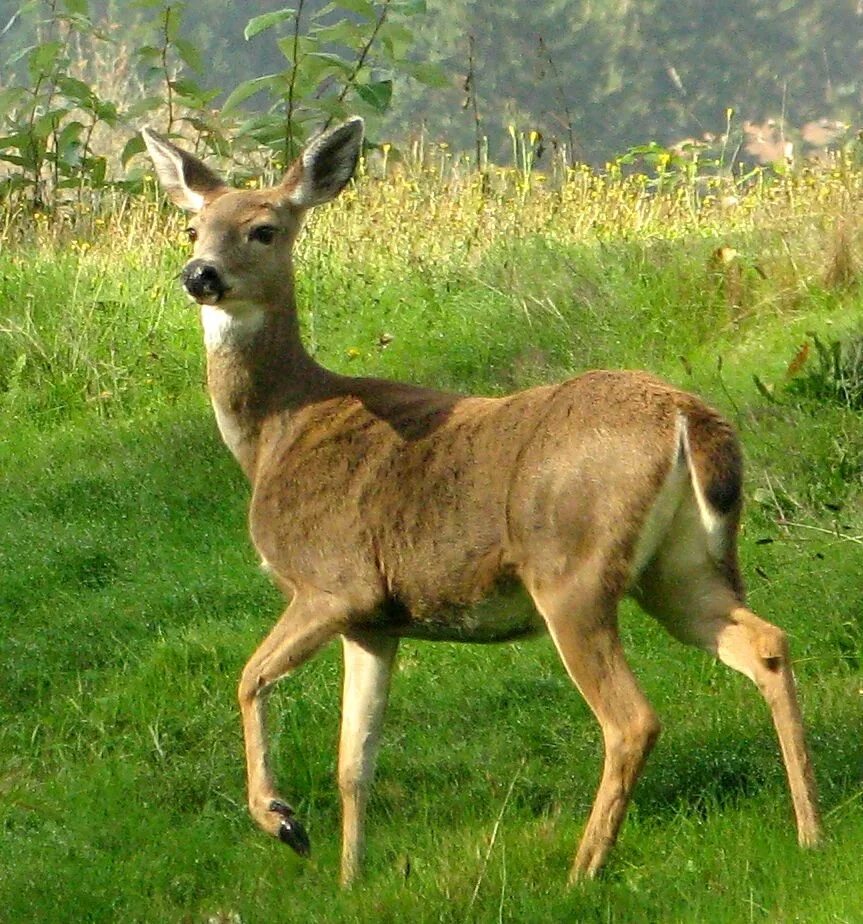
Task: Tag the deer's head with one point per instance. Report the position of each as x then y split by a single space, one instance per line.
243 238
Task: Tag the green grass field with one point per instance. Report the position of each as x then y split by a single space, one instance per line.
130 596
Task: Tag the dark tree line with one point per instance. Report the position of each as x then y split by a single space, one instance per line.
597 75
610 74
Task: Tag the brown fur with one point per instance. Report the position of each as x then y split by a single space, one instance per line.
386 510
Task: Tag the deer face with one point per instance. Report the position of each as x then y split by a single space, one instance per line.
243 242
243 239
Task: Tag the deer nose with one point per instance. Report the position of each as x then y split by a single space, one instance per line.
203 281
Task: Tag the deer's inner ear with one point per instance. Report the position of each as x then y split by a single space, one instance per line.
189 182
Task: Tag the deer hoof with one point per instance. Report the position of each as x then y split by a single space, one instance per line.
291 832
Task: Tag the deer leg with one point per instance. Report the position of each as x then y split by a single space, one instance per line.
583 627
759 650
700 607
368 669
307 624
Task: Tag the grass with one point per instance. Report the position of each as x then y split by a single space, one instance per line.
130 596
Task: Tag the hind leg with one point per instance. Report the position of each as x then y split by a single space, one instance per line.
582 621
703 609
759 650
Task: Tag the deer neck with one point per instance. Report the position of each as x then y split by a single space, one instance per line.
256 367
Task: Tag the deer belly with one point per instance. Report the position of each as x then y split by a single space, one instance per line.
502 616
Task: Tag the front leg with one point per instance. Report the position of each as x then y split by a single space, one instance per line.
368 669
312 619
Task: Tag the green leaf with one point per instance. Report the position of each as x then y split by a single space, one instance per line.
8 98
79 7
26 8
396 38
266 21
97 169
149 53
143 106
305 45
43 58
171 18
409 7
135 145
341 33
363 8
68 144
336 60
318 66
266 129
18 162
332 106
377 94
47 123
249 87
186 87
432 75
14 141
107 111
189 54
76 90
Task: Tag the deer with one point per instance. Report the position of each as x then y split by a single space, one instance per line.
385 510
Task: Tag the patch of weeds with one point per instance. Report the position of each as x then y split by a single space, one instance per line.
830 370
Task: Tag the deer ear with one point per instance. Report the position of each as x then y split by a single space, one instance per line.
326 165
187 180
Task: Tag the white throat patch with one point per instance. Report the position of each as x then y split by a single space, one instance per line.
230 329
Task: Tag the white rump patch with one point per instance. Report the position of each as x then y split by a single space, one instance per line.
661 515
712 521
681 513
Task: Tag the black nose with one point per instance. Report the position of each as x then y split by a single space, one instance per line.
203 281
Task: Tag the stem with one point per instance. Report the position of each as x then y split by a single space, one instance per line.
34 150
169 93
86 153
558 86
361 60
54 122
289 127
39 160
820 529
470 87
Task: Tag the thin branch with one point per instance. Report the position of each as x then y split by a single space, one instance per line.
821 529
361 60
289 128
558 86
169 93
470 90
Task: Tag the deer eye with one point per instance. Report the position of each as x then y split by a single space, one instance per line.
263 234
191 234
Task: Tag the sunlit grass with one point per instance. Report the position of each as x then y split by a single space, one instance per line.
130 596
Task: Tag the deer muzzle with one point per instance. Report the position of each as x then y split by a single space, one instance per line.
203 282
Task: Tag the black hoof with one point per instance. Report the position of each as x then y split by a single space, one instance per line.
291 832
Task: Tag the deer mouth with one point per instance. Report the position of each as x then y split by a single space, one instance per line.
204 282
208 298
